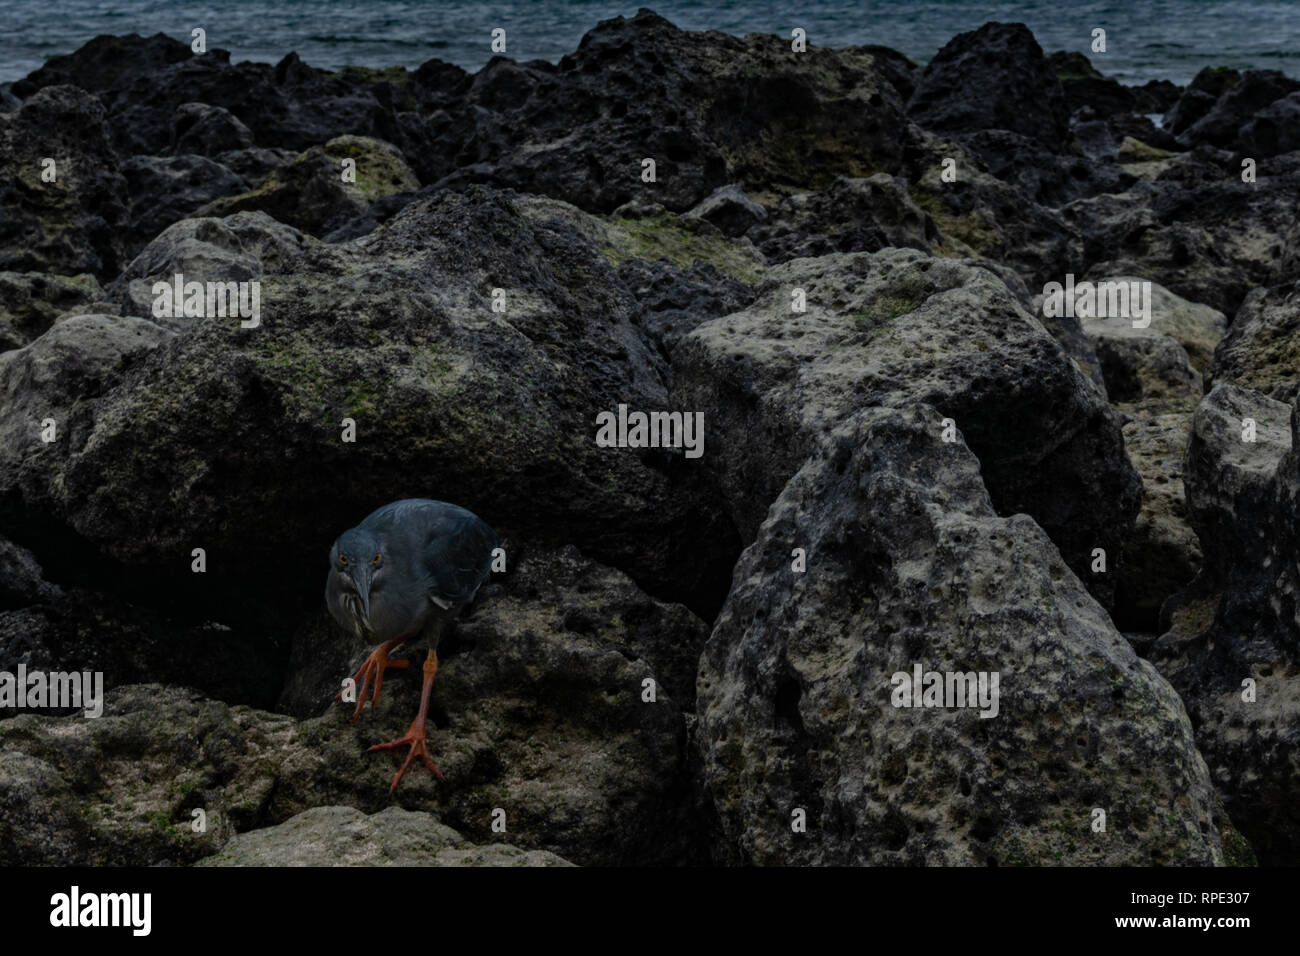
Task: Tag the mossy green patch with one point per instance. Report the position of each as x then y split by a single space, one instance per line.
882 310
380 171
663 237
976 231
1133 150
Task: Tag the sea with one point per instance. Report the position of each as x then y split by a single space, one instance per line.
1159 39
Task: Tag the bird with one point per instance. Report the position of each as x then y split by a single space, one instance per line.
403 573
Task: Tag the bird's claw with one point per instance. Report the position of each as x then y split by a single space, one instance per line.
419 748
372 669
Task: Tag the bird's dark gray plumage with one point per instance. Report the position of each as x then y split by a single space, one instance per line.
406 567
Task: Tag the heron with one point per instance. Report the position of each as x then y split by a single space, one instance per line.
403 573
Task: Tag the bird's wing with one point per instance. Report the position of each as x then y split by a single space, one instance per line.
458 561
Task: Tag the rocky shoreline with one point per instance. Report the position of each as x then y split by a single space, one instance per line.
842 261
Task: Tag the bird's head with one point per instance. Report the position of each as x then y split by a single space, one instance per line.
357 561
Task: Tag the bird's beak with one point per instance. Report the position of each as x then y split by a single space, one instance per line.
362 581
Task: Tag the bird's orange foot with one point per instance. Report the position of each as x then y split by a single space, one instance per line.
419 748
373 670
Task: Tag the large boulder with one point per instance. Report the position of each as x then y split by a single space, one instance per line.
540 709
396 332
1233 638
1222 124
207 130
979 214
894 328
908 566
73 224
54 377
995 77
236 248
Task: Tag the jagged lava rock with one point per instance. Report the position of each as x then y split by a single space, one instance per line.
907 563
72 224
894 328
1239 620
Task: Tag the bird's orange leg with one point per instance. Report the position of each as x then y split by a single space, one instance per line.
373 669
415 734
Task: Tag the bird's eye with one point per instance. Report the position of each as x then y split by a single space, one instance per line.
343 560
376 561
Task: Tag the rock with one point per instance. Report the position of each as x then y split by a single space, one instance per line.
207 131
1197 229
1143 368
1262 348
58 375
995 77
24 582
72 224
1084 86
894 328
795 685
672 301
652 234
851 215
30 302
1229 481
342 836
1221 124
1150 375
1199 97
1164 554
537 709
979 215
1156 96
105 618
730 210
1135 151
167 189
494 410
1272 130
1238 620
255 163
709 108
75 629
237 248
1042 174
142 83
107 63
310 194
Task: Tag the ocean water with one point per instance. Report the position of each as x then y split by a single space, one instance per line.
1159 39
